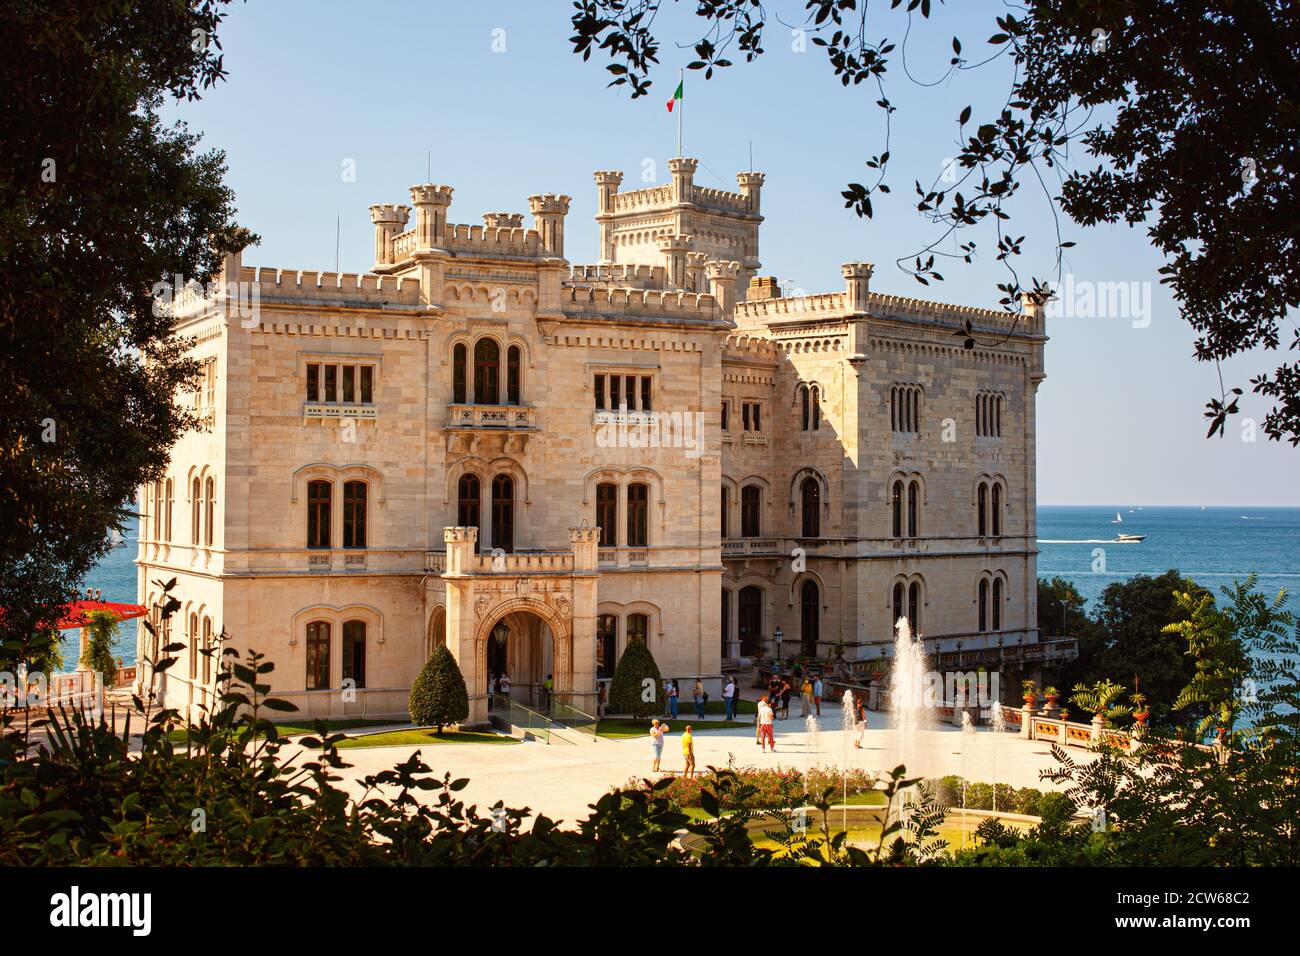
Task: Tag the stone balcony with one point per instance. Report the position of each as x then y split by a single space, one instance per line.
508 426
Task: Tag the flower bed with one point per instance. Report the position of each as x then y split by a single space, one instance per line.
774 788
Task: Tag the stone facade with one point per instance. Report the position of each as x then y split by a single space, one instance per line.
478 443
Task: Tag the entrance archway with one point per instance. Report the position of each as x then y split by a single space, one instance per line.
526 641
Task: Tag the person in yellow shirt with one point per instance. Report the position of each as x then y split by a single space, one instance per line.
805 697
688 750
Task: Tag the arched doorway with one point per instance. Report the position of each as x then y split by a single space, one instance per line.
437 631
521 645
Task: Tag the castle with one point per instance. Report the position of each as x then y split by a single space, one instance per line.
481 445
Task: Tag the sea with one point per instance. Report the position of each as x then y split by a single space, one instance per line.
1213 546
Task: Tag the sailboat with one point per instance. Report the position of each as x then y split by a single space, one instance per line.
1118 519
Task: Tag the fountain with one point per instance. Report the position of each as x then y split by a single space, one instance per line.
847 723
967 739
906 699
813 728
998 722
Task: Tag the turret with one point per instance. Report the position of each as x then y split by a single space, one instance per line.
674 250
503 220
607 183
722 283
857 284
431 203
683 171
389 220
751 185
548 212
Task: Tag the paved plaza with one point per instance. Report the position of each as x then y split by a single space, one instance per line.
561 780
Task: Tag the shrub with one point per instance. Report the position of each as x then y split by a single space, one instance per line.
438 696
626 692
99 649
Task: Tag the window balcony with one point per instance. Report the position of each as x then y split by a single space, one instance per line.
751 547
339 410
468 424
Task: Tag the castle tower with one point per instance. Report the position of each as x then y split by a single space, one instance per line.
431 204
548 212
389 220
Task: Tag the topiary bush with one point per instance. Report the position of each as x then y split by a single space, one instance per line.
629 691
438 696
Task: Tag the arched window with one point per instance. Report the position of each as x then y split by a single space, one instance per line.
192 639
469 508
816 399
503 512
899 604
207 645
318 655
195 505
354 516
896 503
914 607
750 619
354 652
997 509
607 513
458 355
804 416
811 494
726 512
210 507
750 511
997 416
984 605
981 508
606 645
512 375
319 496
809 617
156 506
487 366
997 604
638 515
726 621
913 507
167 511
638 628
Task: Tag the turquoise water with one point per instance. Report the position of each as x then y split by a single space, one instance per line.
1214 547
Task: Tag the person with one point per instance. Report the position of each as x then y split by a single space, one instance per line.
805 698
817 693
697 695
492 688
548 686
729 698
765 733
861 707
602 699
657 731
688 750
673 694
758 727
503 685
785 700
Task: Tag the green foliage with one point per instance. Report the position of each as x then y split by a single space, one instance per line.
100 202
765 788
629 690
1221 666
102 628
438 696
1100 700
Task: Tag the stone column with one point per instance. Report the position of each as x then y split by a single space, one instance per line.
462 620
1027 721
389 220
582 622
1098 722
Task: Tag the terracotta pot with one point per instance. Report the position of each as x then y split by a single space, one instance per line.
1030 699
1142 717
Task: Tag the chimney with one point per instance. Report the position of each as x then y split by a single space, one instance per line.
763 287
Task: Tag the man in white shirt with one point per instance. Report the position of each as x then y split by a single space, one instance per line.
729 697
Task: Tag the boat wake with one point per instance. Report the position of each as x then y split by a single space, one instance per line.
1077 541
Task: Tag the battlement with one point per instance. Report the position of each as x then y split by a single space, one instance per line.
720 199
339 287
654 197
750 345
641 303
822 305
493 240
620 275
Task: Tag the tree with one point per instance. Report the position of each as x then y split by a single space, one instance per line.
438 696
100 202
1062 609
635 688
1170 113
1128 639
102 626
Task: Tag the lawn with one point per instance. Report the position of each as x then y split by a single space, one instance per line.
413 737
623 728
290 729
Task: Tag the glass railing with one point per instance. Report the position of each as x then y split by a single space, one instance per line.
573 718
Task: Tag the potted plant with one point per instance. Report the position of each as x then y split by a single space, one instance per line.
1065 714
1052 695
1030 692
1140 711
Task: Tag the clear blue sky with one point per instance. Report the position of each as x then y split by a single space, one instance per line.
314 84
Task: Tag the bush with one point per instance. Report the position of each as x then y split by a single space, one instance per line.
438 696
102 626
773 788
626 692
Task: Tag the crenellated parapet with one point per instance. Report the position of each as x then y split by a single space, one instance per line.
492 240
645 304
621 275
503 220
333 287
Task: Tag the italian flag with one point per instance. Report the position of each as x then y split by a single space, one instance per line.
677 95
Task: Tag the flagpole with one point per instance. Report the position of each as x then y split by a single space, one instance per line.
681 108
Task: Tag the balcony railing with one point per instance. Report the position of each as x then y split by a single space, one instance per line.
750 547
492 416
